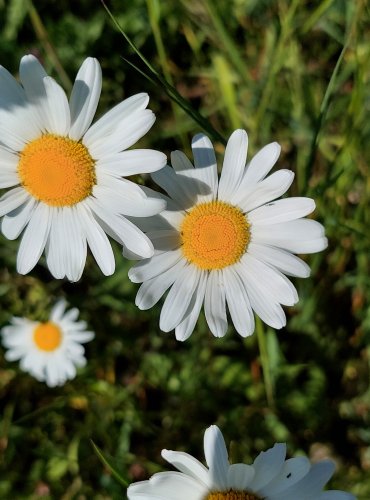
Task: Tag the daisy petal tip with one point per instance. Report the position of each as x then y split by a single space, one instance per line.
197 138
166 454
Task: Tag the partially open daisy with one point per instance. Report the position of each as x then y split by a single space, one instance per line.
70 190
49 351
270 477
225 242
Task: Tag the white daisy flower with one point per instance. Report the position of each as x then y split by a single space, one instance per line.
270 477
70 190
49 351
225 242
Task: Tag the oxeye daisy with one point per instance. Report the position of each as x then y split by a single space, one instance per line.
225 242
49 351
68 190
270 477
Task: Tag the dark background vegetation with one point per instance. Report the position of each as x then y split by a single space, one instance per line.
265 66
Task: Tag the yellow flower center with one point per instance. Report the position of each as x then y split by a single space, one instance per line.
214 235
57 170
47 336
231 495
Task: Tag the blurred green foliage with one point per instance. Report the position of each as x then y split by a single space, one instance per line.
264 66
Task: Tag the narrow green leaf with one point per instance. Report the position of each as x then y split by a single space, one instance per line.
166 86
109 466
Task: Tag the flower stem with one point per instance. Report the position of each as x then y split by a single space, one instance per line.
267 375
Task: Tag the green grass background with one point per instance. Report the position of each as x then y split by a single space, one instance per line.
263 65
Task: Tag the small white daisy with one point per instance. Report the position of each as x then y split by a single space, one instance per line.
225 241
70 190
49 351
270 477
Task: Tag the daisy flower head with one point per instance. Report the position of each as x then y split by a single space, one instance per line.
225 242
49 351
270 477
66 175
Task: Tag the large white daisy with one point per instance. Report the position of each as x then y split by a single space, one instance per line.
49 351
70 190
225 242
270 477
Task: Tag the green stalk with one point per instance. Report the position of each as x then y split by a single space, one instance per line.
43 36
327 99
153 12
169 89
267 376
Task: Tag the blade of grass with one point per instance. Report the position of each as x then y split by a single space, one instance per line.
167 87
267 375
326 103
153 7
109 466
226 41
43 36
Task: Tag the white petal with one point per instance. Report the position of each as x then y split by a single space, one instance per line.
188 465
311 485
200 184
51 371
133 162
167 486
55 248
12 200
66 249
293 471
165 240
214 304
152 290
124 231
8 179
128 131
180 188
238 302
155 266
205 167
184 329
178 298
216 456
32 74
260 165
122 200
85 97
234 165
111 120
269 189
18 122
14 222
281 211
57 311
81 337
75 243
239 476
97 241
34 239
281 259
267 466
261 300
59 116
8 161
278 286
298 236
334 495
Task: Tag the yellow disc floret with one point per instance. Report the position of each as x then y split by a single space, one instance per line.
47 336
214 235
231 495
57 170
